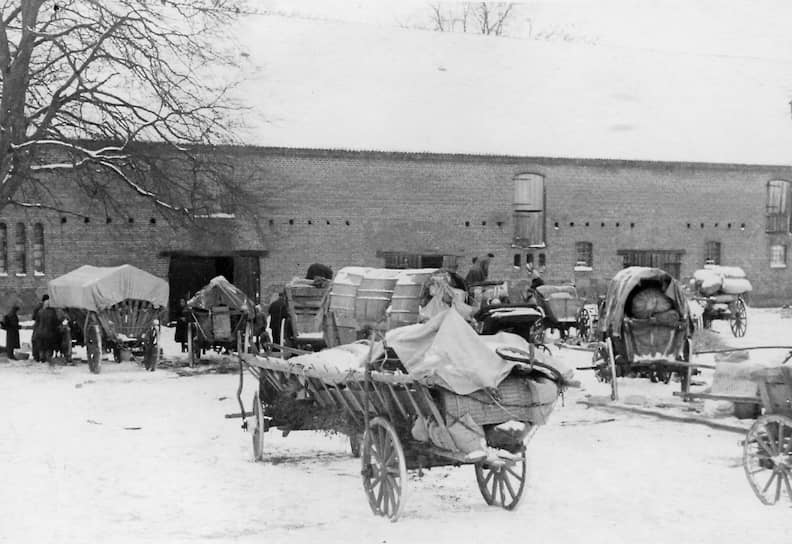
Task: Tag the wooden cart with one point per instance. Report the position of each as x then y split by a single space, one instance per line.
767 449
388 405
114 309
217 315
729 308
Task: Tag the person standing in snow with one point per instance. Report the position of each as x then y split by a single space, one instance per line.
34 342
48 334
278 311
11 326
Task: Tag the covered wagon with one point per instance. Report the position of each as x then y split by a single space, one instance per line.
217 315
114 308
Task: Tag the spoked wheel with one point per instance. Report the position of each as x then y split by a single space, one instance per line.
151 349
502 485
384 469
767 458
248 343
738 322
537 333
259 429
93 345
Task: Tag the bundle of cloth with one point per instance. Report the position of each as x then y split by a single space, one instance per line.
650 302
713 280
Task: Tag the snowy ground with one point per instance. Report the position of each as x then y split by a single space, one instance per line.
134 456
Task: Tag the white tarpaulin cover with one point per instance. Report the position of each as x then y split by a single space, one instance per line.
98 287
448 348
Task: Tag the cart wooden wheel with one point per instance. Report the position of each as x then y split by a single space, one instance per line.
93 345
384 469
259 429
151 349
192 346
502 485
537 333
767 458
612 365
738 321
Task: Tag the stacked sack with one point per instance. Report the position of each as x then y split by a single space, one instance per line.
714 280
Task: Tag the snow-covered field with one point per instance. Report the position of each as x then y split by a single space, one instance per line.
135 456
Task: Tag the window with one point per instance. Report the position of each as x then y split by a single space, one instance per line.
20 256
517 260
584 255
38 248
542 260
778 256
669 260
403 260
529 261
778 209
3 249
528 206
712 253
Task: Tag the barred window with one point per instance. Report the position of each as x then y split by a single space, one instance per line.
778 256
712 253
20 252
3 248
403 260
584 252
38 248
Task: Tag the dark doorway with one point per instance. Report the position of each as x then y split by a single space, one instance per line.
189 273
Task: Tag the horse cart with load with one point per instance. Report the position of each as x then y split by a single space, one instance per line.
217 315
645 328
427 395
114 309
721 290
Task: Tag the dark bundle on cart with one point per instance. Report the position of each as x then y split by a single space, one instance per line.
428 395
114 309
220 315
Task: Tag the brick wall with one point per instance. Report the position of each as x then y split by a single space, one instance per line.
342 208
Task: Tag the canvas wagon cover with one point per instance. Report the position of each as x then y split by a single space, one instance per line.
221 292
98 287
623 284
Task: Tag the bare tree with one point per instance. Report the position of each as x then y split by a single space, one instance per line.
88 85
480 17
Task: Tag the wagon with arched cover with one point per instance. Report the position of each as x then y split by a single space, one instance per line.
114 309
217 315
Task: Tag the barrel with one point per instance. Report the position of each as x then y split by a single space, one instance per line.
343 294
374 295
407 296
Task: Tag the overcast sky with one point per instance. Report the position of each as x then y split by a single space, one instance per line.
754 28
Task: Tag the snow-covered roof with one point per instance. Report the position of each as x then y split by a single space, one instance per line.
331 85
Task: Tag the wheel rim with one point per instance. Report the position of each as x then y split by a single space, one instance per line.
767 458
739 319
258 430
384 469
502 485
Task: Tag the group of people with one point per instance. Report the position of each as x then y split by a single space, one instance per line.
45 340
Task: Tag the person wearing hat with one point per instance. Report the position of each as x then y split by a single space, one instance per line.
11 326
34 340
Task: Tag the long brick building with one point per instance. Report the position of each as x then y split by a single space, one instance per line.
407 148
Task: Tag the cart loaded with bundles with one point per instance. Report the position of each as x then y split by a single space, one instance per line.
721 290
425 395
219 317
114 309
645 328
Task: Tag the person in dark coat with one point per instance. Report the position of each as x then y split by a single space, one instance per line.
11 326
277 312
34 344
48 333
479 272
180 335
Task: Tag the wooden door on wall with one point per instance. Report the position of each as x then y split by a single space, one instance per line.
247 275
669 260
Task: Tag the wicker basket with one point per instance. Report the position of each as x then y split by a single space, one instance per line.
518 398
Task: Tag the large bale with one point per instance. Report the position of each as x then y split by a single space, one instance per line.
648 302
736 286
